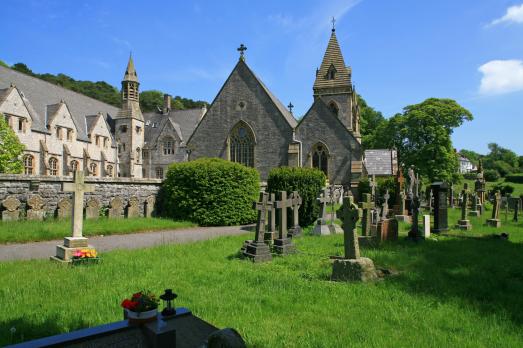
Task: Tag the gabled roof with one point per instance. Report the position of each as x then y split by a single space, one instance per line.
183 121
90 121
332 58
381 162
37 94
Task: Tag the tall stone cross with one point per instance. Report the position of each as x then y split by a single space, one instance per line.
242 49
385 209
272 215
263 205
78 188
373 187
296 202
283 204
496 206
367 205
349 214
324 199
334 196
464 205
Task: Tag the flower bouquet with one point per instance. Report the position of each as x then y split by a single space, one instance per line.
141 308
85 256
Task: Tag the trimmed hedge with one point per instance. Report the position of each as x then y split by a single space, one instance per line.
307 181
211 192
515 178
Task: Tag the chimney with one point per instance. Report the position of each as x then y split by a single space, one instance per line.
166 103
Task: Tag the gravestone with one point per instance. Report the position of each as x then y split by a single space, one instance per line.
402 208
367 205
464 223
258 250
334 195
283 244
385 208
92 209
77 241
133 208
414 232
373 187
64 208
150 201
116 208
352 267
516 210
12 211
475 205
321 228
426 226
496 206
440 190
387 229
297 201
271 233
36 211
431 198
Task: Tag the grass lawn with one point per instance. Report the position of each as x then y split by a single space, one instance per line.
456 291
30 231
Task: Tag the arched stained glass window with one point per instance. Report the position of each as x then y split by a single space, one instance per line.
242 145
320 158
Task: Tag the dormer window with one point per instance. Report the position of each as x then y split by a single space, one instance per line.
59 133
331 73
70 134
20 124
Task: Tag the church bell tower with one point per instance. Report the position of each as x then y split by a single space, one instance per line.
129 126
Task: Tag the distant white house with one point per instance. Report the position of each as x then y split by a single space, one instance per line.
465 165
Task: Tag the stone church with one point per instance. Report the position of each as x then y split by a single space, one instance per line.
63 130
246 123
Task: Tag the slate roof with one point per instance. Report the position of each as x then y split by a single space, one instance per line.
38 94
333 57
183 121
381 162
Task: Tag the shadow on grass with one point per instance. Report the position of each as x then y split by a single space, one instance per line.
24 329
484 273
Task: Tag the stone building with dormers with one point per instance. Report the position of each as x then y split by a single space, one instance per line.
246 123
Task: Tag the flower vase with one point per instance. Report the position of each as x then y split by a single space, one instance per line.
137 318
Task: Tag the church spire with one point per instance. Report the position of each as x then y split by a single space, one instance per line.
130 72
333 74
130 93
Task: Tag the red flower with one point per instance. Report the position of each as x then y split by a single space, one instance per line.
126 303
137 295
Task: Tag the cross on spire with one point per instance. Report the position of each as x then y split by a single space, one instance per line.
290 106
333 21
242 50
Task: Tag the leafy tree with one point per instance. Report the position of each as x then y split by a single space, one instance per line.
151 100
520 160
4 64
10 149
422 136
22 68
370 123
504 161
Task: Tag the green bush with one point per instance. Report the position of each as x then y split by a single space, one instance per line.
491 175
503 188
515 178
307 181
210 192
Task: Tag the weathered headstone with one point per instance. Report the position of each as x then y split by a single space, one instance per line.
426 226
64 208
385 207
92 209
516 210
297 201
321 227
12 211
150 202
258 250
133 208
334 195
367 205
373 187
464 223
440 190
496 206
116 208
65 252
410 192
271 233
387 229
283 245
475 205
352 267
36 211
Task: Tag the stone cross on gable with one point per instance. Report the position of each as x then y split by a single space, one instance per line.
324 199
263 205
367 205
385 208
242 49
283 204
290 106
349 215
296 202
78 188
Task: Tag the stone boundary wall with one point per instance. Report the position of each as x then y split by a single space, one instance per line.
50 188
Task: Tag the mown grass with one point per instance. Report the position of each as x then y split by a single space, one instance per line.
30 231
458 291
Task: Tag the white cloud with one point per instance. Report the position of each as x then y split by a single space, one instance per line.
501 76
514 14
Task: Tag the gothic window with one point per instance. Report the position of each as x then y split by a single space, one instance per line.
168 146
242 145
331 73
334 107
53 166
74 166
109 171
28 164
93 169
320 159
159 173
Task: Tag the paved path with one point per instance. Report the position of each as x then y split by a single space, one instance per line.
44 250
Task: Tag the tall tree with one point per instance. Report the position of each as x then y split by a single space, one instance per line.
422 135
151 100
10 149
370 122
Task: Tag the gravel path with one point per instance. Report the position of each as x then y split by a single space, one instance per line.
44 250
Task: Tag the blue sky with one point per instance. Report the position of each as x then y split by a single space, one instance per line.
401 52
